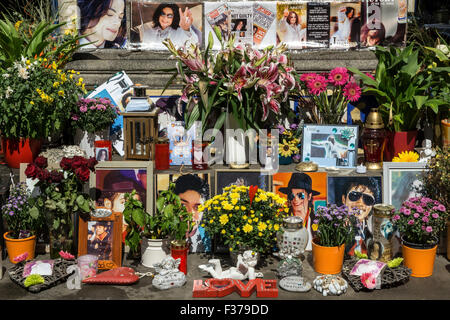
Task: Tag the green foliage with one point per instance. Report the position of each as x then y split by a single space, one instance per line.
394 263
36 98
401 86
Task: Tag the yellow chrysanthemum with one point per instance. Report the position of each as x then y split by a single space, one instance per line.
223 219
238 229
234 195
17 24
314 227
406 156
231 249
260 234
244 217
247 228
223 231
243 208
263 197
234 201
276 227
262 226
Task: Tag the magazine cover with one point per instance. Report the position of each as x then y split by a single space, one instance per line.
318 24
384 22
292 24
152 23
217 14
264 27
345 24
180 143
103 23
242 21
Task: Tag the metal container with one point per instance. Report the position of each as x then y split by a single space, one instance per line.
293 239
380 247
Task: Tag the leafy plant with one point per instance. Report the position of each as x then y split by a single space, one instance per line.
401 86
251 85
36 98
334 226
61 196
420 220
245 217
94 115
21 221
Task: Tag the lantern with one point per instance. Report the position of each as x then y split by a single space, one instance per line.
373 140
140 134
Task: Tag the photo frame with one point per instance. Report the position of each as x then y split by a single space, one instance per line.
103 150
396 177
227 177
107 248
330 145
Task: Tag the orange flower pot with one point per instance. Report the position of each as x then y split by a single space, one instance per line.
420 261
17 151
17 247
328 260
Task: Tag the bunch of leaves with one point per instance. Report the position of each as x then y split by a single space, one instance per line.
245 217
401 86
36 98
94 115
21 221
334 226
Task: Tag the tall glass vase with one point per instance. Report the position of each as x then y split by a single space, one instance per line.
61 236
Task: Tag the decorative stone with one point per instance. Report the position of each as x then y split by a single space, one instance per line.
330 285
169 276
290 266
55 155
295 284
245 267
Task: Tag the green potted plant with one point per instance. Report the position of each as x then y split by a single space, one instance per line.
61 198
35 100
22 223
402 88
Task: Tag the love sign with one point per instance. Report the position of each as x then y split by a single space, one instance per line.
218 288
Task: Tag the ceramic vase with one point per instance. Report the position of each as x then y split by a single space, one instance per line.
155 252
20 150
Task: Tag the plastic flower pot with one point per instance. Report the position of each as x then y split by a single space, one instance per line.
419 258
328 260
17 247
20 150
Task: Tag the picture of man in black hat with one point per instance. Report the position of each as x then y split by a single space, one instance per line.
300 200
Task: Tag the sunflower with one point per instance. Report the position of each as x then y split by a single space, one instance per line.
287 149
406 156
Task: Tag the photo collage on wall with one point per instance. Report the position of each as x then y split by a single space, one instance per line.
302 25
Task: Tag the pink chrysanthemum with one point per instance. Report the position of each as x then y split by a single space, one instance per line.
307 76
352 91
317 85
66 255
21 257
338 76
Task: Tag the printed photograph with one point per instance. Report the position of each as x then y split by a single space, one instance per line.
291 24
102 154
151 23
217 14
227 178
100 239
345 24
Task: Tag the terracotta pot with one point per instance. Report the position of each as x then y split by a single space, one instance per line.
17 247
397 142
328 260
420 261
20 150
180 250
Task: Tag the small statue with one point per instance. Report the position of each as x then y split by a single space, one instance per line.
169 276
427 152
245 268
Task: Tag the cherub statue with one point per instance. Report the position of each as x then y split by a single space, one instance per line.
169 276
427 152
245 268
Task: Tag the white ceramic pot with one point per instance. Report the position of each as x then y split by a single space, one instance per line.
155 252
85 140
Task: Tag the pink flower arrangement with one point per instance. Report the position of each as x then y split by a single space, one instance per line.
66 255
94 114
420 220
368 280
330 93
21 257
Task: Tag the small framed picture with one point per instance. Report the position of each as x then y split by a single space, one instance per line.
401 180
103 150
228 177
102 237
330 145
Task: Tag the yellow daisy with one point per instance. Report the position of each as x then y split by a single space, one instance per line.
406 156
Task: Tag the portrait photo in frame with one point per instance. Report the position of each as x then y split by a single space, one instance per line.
330 145
102 237
401 180
227 177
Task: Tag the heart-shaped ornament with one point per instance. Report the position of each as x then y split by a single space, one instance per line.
120 275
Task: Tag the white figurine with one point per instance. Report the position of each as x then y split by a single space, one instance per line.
169 276
427 152
245 268
74 281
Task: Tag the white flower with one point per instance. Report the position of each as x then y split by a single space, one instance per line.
5 75
444 49
8 92
23 73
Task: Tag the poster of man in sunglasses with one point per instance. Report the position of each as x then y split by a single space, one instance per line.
304 193
362 193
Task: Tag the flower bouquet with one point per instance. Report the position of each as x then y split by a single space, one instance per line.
244 218
289 141
93 115
420 220
61 196
330 94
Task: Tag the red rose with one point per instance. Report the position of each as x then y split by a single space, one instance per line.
83 173
92 162
44 175
31 171
56 176
41 162
78 162
66 163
